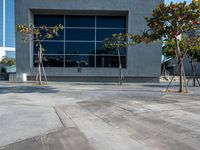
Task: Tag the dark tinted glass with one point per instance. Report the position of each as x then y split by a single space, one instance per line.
80 21
60 35
102 50
50 61
114 22
106 26
51 47
110 61
80 34
48 20
79 61
102 34
80 48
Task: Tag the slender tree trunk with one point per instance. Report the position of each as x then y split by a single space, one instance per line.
184 77
167 89
193 72
40 65
180 65
180 76
120 68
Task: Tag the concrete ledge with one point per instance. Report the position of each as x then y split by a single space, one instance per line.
12 77
98 79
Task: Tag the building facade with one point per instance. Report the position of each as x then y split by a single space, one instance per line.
7 29
78 54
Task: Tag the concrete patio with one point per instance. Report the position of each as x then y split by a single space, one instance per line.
98 116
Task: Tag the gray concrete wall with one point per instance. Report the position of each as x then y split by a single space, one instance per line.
187 66
142 60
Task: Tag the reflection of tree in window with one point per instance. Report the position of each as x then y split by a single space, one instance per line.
79 61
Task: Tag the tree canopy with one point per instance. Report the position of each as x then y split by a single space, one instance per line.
171 21
38 34
189 44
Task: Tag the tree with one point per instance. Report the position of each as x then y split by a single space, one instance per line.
38 35
6 61
189 46
192 44
171 22
118 42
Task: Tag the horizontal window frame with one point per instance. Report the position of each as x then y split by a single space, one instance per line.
86 28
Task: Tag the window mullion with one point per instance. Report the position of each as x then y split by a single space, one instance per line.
64 40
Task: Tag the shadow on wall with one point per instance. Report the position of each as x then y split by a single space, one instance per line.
172 67
27 89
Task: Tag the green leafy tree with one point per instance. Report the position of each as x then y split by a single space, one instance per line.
189 46
38 35
171 22
118 42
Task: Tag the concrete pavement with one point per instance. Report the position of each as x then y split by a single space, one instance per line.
100 116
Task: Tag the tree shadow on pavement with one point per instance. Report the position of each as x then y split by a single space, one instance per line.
27 89
159 85
95 83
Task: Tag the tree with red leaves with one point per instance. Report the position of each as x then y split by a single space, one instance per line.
171 22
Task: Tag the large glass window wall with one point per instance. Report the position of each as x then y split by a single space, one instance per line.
80 43
1 23
9 21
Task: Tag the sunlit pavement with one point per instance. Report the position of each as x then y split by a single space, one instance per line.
100 116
